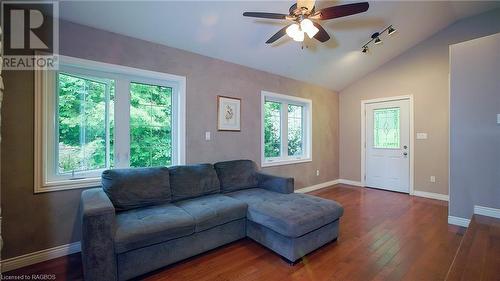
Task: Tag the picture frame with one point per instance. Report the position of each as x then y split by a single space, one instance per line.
228 114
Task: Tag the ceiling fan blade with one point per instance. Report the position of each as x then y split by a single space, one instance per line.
309 4
343 10
277 35
265 15
322 36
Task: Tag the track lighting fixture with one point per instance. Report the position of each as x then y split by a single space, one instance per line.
375 38
391 30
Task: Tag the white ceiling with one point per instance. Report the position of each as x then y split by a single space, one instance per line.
218 29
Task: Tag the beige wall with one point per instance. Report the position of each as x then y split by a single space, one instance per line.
33 222
422 72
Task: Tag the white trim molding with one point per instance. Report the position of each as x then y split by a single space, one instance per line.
458 221
487 211
317 186
40 256
431 195
351 182
412 135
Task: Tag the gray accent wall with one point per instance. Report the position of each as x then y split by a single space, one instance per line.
33 222
474 132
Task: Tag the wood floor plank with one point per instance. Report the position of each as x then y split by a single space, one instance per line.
478 257
383 236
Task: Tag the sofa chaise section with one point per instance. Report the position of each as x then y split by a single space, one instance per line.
290 224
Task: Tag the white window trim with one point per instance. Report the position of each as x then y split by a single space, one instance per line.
45 83
307 119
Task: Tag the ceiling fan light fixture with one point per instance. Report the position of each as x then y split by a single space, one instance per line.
293 30
299 37
308 27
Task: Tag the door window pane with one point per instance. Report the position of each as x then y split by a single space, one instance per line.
84 120
150 125
272 129
386 128
295 131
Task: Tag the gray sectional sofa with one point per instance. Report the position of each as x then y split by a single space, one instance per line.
144 219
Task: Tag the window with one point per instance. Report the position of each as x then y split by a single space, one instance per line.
150 125
386 128
84 121
104 116
286 129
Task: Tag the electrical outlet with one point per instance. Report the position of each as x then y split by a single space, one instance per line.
207 135
317 172
433 179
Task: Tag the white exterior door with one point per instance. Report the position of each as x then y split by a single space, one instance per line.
387 140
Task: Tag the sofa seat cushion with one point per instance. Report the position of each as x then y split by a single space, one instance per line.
142 227
213 210
291 215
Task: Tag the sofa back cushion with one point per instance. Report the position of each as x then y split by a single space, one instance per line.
190 181
237 174
136 187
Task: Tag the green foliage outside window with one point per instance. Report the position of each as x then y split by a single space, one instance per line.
272 131
295 131
83 109
150 125
82 106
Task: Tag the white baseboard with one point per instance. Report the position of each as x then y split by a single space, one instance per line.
431 195
317 186
487 211
350 182
39 256
458 221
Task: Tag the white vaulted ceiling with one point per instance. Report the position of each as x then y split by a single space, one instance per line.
218 29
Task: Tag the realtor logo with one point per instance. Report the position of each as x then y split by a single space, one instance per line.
30 36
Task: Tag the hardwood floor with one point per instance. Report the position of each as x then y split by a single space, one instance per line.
383 236
478 257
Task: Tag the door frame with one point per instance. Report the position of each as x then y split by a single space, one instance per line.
363 133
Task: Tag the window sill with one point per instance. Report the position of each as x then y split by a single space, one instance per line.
284 162
67 184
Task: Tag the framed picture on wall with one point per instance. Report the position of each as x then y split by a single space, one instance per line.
228 114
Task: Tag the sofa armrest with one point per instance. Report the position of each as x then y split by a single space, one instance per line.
98 229
275 183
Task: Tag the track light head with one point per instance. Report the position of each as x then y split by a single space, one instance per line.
365 49
375 36
391 30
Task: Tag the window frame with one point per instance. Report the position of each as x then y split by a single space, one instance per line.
285 100
45 122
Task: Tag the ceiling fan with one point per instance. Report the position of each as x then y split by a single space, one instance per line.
304 16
